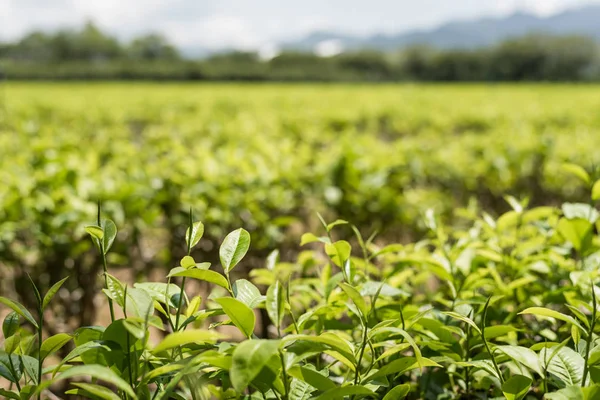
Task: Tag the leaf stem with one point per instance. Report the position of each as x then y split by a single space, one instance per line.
40 361
286 383
590 338
13 372
179 305
361 354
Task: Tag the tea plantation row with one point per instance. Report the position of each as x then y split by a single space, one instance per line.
265 158
506 307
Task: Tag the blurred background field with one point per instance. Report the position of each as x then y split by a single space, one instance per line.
265 158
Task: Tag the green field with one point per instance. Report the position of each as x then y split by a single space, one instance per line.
268 158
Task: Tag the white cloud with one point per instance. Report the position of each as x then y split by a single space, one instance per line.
216 31
329 48
242 24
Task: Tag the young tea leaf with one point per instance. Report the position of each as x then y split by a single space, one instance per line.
249 358
276 303
516 387
52 291
192 238
240 314
19 309
234 248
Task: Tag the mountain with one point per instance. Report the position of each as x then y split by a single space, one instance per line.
464 34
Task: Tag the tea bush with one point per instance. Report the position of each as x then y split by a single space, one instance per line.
507 307
263 157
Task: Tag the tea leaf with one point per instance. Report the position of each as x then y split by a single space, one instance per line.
312 377
11 324
516 387
196 234
110 233
203 275
52 291
19 309
94 390
276 303
182 338
338 251
399 392
342 392
578 171
546 312
53 344
247 293
234 248
249 358
95 231
241 315
91 371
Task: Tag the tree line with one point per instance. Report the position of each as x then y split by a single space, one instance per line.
89 53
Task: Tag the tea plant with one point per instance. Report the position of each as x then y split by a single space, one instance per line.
507 307
263 157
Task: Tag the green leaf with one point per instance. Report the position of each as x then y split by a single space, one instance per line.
110 233
11 324
312 377
338 251
568 393
300 390
6 370
196 234
516 387
203 275
53 344
91 371
596 191
115 289
356 297
95 231
159 291
31 367
139 303
577 231
234 248
400 366
580 210
19 309
276 303
328 340
461 317
578 171
9 394
97 390
79 350
48 297
311 238
249 358
524 356
567 365
187 262
336 223
247 293
342 392
240 314
182 338
11 343
546 312
398 392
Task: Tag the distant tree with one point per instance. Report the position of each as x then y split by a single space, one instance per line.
152 47
369 65
542 57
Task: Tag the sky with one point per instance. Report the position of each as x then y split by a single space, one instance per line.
252 24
